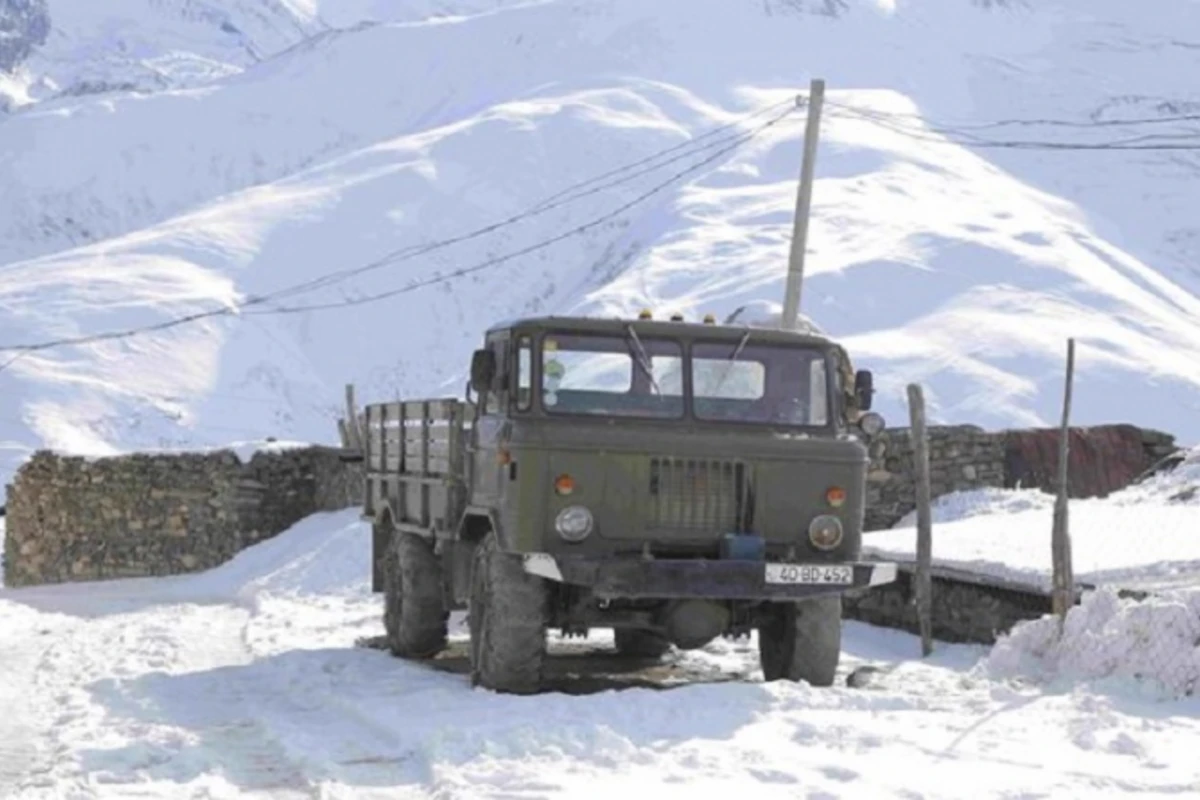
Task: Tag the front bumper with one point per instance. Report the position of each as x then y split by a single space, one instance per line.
635 577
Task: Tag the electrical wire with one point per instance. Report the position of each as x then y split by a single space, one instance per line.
1036 122
492 262
545 205
934 134
562 198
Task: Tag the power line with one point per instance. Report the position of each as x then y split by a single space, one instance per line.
946 135
564 197
545 205
1030 122
492 262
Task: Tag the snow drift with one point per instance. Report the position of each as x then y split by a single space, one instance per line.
327 136
1136 552
1153 643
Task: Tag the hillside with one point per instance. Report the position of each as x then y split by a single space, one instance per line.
324 136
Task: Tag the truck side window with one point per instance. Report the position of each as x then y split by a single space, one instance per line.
524 373
818 389
496 401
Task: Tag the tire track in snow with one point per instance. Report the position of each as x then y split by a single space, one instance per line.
19 735
207 720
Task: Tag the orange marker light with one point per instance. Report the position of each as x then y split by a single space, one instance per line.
564 484
835 496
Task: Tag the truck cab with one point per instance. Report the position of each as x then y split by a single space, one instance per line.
673 481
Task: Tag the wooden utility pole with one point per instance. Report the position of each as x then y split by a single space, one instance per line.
922 578
1063 596
795 276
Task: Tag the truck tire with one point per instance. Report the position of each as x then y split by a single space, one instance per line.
640 644
413 613
802 641
508 614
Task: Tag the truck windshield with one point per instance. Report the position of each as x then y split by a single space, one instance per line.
747 382
611 375
640 376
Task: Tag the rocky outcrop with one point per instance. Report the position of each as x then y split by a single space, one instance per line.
24 24
72 519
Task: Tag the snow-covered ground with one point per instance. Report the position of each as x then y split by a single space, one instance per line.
1146 536
264 143
244 682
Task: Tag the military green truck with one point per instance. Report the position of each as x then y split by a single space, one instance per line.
673 481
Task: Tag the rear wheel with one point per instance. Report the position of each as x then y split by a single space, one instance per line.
802 641
640 644
414 615
509 610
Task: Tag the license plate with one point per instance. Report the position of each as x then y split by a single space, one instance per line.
808 573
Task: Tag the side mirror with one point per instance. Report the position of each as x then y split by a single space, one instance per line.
483 370
864 388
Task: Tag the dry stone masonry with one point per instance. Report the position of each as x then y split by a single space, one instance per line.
961 457
1102 459
75 519
72 519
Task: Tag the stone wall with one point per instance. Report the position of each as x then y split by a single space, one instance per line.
1102 459
960 457
961 611
72 519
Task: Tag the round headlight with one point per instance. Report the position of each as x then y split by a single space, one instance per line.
574 523
825 532
871 423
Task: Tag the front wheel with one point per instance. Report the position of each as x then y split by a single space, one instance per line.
802 641
509 611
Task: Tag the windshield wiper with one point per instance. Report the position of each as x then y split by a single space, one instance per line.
729 363
642 359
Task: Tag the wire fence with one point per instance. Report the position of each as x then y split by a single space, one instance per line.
1131 565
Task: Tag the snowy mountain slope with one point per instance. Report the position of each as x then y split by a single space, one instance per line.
244 682
138 45
962 267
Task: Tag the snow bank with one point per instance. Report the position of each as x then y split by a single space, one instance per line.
958 506
1179 484
326 554
1155 641
1146 536
1143 537
1122 544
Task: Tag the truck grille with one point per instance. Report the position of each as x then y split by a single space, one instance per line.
696 494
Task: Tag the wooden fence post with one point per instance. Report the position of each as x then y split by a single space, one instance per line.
1063 595
924 583
353 427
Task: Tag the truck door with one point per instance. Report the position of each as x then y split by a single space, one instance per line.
491 431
